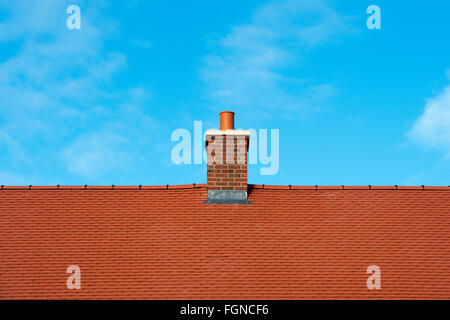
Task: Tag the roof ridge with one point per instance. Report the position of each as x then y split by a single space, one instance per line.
343 187
106 187
203 185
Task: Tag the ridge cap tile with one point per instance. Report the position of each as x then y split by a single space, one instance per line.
303 187
329 187
436 188
204 185
181 186
154 187
384 187
276 187
410 188
71 187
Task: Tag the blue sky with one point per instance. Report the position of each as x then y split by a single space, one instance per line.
98 105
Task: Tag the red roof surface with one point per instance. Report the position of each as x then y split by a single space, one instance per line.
165 243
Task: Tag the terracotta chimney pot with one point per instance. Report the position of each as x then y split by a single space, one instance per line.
227 120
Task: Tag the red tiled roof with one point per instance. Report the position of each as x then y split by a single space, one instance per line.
163 242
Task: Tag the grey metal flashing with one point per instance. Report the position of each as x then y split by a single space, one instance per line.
213 201
227 197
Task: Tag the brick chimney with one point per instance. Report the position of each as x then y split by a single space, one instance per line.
226 151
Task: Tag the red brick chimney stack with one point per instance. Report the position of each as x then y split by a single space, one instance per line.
227 162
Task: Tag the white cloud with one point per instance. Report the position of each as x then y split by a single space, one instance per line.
58 98
29 18
10 179
93 155
252 67
432 128
119 142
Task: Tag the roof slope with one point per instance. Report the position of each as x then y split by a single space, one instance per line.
165 243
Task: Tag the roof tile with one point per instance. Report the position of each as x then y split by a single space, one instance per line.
159 243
